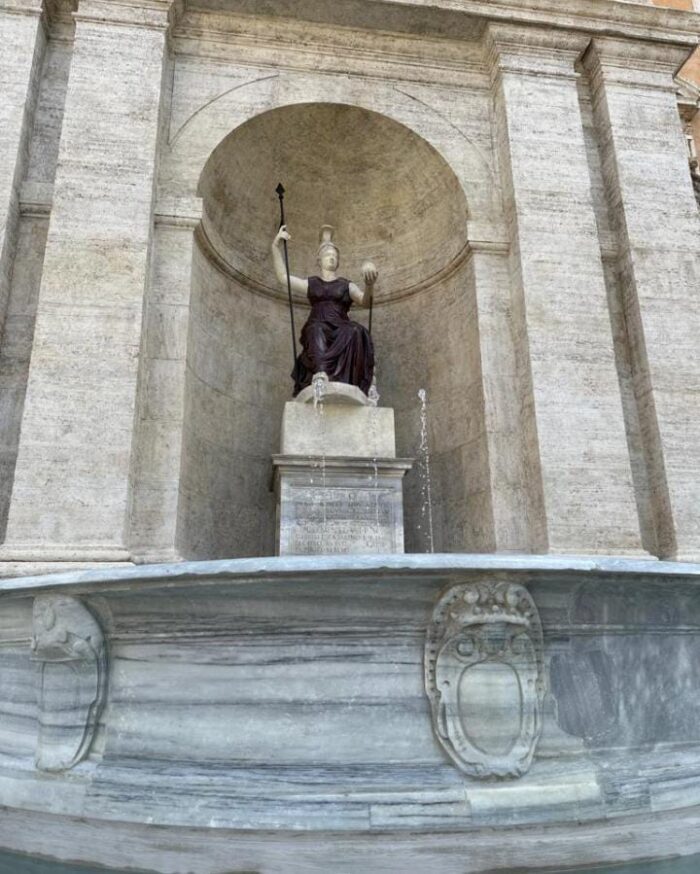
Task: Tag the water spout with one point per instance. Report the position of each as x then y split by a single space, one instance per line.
320 385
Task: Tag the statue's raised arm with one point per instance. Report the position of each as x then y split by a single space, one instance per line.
299 285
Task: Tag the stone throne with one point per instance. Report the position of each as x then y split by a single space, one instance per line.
337 480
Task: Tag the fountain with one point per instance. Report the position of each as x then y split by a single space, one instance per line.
343 706
257 710
446 713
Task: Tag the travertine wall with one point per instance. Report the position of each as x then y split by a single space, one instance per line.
75 450
655 217
23 40
238 349
532 216
430 341
16 348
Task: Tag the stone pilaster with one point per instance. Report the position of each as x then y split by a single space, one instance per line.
160 419
578 467
71 489
655 214
511 512
22 44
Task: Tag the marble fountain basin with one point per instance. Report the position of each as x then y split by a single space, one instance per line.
455 713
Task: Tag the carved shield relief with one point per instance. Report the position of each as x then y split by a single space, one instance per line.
69 647
484 675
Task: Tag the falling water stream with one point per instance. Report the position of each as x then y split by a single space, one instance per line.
319 388
373 396
426 524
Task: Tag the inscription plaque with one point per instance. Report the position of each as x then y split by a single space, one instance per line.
338 519
340 510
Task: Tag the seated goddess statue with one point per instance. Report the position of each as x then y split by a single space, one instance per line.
331 343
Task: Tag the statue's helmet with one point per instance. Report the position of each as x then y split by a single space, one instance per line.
326 242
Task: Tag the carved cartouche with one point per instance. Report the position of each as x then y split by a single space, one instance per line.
484 675
69 647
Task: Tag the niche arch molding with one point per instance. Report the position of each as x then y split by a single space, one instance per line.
193 141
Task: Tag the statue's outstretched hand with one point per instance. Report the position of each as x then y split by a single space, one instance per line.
282 234
369 273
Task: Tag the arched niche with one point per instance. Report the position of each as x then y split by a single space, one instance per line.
393 198
198 128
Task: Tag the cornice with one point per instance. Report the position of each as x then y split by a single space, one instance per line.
688 96
639 55
594 17
178 212
297 45
36 199
484 247
32 8
533 51
59 17
148 14
632 64
605 17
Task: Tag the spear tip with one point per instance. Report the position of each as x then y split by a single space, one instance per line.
280 190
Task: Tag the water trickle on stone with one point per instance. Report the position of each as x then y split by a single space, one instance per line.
373 396
319 387
426 484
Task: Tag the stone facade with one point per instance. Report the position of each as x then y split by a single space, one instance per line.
518 171
519 176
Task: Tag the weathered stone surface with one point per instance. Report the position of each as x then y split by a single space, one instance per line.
339 506
148 422
288 695
519 206
577 449
484 675
338 483
23 44
75 449
70 650
656 222
337 429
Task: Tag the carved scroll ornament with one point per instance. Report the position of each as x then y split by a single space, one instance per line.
70 649
484 675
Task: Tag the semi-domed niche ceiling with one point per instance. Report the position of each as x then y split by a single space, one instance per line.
389 194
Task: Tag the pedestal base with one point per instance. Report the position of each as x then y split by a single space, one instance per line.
336 505
337 480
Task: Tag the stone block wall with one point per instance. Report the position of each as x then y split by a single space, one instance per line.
238 346
524 188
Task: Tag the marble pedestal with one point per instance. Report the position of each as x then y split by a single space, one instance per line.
338 482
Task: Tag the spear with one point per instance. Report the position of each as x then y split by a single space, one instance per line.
280 194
